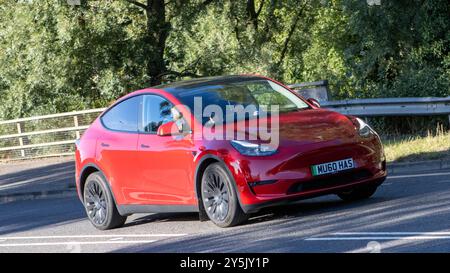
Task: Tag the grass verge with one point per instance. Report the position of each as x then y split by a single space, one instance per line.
434 145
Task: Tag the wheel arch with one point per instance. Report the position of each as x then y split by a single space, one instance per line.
201 167
84 174
88 170
204 162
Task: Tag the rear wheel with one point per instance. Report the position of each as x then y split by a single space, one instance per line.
99 203
358 193
220 198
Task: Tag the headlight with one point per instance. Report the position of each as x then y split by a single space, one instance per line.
252 149
364 130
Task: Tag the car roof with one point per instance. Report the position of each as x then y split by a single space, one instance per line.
179 86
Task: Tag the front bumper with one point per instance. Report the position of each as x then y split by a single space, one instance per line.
287 177
251 208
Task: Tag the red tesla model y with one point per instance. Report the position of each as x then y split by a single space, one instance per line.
224 147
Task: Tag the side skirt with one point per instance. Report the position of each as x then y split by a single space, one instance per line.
131 209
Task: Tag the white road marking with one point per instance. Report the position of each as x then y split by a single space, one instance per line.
78 243
417 175
116 239
378 238
90 236
437 233
354 236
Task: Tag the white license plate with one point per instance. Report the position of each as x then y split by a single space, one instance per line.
332 167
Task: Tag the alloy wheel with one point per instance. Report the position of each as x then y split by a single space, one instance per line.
216 197
96 205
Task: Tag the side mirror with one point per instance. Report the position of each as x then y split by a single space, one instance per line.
168 129
314 102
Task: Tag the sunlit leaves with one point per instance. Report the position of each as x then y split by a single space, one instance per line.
55 57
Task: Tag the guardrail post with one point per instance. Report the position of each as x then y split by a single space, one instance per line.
75 123
19 131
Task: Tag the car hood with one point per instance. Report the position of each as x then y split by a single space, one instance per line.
305 127
316 125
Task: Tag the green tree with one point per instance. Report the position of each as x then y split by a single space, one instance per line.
398 48
55 57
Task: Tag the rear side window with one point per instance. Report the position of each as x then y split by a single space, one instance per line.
123 116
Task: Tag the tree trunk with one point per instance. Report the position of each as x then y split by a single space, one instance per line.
157 31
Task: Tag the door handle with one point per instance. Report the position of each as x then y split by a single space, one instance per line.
105 144
145 146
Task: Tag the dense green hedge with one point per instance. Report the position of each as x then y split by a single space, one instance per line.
56 58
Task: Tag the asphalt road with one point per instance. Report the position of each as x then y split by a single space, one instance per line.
409 213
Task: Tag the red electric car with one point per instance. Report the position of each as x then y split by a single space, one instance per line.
146 153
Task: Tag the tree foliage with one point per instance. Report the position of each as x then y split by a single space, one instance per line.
56 57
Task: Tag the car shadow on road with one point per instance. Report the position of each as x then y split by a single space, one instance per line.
268 214
312 207
231 239
284 229
163 217
291 210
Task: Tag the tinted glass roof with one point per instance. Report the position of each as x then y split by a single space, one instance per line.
178 86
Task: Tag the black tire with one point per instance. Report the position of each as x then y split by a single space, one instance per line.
219 197
358 193
99 203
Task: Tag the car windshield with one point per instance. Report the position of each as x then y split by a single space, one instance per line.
258 93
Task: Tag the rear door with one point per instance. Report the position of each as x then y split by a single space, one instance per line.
117 149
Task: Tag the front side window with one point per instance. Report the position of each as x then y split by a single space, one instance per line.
123 116
156 111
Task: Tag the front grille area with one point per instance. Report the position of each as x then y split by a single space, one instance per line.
328 181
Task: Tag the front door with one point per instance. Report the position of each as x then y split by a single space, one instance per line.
166 163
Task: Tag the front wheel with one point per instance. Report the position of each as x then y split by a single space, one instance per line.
219 197
99 203
358 193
